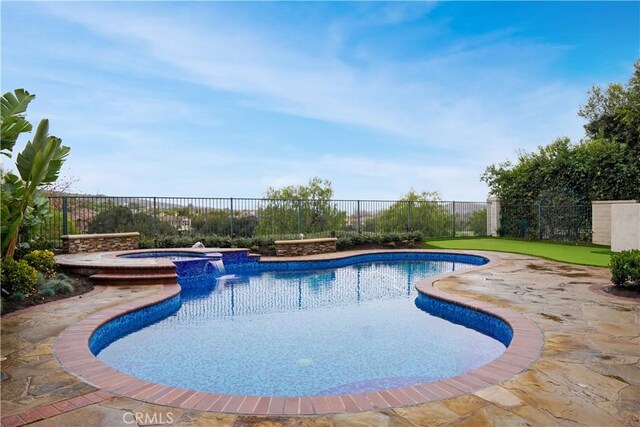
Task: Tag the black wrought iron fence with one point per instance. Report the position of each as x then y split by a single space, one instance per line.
558 222
156 217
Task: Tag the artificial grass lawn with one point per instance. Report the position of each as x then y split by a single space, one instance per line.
574 254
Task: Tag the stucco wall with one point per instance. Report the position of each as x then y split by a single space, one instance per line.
601 222
493 216
625 227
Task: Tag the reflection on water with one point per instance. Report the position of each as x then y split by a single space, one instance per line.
234 295
304 333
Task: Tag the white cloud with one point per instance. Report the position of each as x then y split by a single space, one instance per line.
436 110
471 99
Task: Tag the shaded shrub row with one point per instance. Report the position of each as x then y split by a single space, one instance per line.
266 246
350 241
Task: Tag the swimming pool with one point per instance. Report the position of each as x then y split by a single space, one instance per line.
306 329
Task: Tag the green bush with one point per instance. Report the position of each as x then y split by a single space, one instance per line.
17 296
43 261
478 222
60 284
23 248
18 276
390 240
625 268
263 244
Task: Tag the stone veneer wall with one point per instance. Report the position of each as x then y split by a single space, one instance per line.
80 243
305 247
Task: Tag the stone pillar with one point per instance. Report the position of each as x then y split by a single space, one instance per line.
601 220
625 226
493 216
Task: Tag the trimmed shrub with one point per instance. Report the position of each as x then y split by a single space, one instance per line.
43 261
17 296
47 291
18 277
60 284
625 268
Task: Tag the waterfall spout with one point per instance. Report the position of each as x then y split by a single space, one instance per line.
214 266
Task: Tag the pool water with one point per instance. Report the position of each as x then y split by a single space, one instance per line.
304 333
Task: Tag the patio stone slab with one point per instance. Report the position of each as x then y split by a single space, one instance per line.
587 374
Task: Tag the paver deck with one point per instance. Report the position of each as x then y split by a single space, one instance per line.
588 372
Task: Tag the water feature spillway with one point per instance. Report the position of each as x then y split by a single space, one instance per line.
198 268
215 266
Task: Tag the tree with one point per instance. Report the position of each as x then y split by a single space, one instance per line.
422 212
605 165
478 222
304 208
218 222
614 113
121 219
23 204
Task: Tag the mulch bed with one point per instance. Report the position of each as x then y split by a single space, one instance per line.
81 285
623 292
617 291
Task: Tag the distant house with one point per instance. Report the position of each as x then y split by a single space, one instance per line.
352 220
82 217
179 222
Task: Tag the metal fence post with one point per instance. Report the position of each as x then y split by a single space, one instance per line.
299 216
539 221
358 217
231 217
409 203
155 222
65 215
453 224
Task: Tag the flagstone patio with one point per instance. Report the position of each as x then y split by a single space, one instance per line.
587 374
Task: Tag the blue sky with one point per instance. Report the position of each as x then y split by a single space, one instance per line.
226 99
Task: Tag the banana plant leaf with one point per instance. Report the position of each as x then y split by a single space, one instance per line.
12 118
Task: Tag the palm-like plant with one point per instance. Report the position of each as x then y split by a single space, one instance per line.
13 122
39 163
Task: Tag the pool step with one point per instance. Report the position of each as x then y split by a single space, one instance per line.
134 278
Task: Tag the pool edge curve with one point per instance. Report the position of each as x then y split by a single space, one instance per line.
71 349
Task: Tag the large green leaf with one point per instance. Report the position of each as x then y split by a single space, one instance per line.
26 159
41 160
12 118
13 192
57 155
15 104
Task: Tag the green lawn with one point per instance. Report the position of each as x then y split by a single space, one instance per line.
574 254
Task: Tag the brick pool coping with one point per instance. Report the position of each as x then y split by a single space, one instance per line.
72 351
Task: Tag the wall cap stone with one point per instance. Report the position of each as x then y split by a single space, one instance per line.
611 202
99 236
306 241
